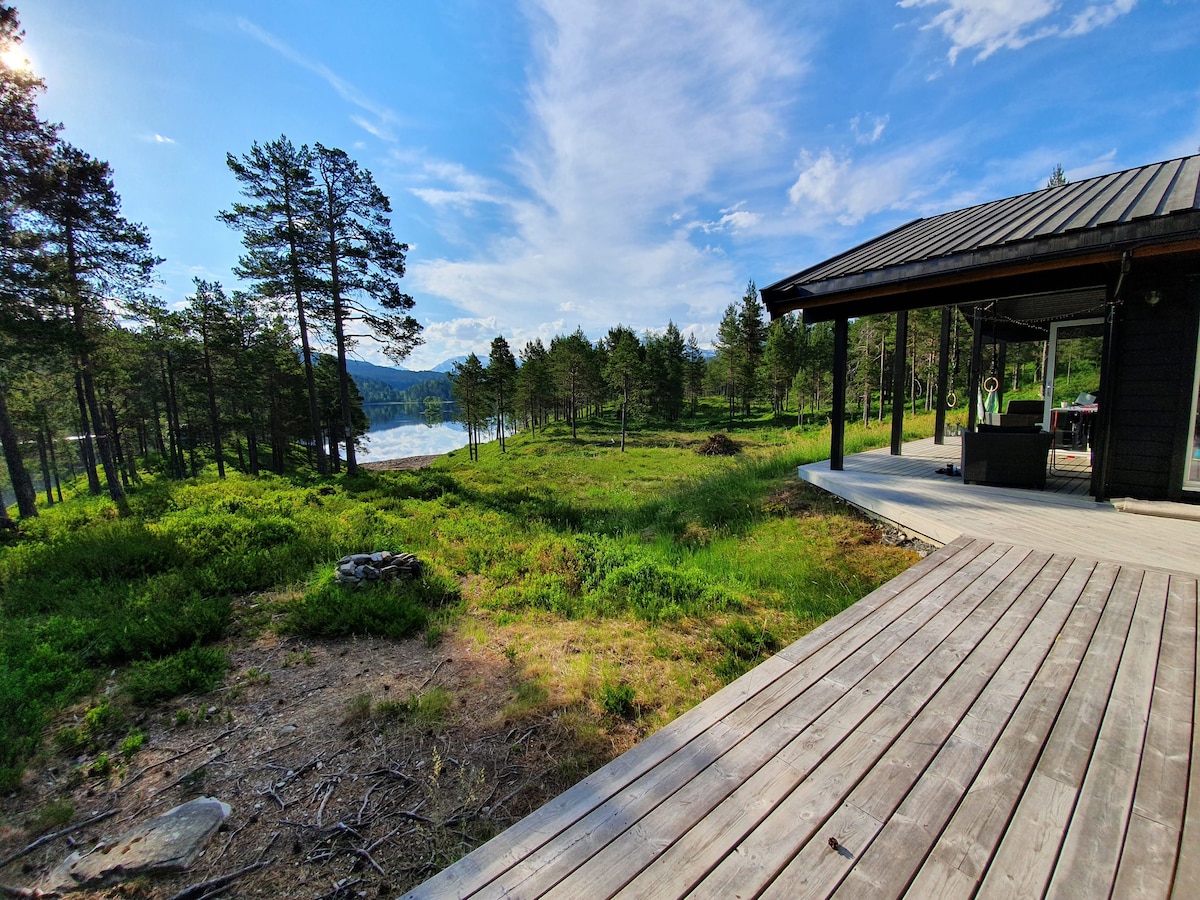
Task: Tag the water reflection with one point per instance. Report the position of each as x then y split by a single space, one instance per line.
405 429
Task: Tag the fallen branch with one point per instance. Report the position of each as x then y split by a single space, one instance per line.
8 891
210 888
47 838
433 673
180 755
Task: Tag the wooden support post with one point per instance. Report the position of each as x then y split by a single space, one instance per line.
899 371
837 440
1001 368
976 365
939 417
1102 431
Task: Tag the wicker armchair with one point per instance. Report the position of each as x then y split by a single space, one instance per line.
1006 455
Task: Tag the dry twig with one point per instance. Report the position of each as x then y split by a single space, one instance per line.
214 886
47 838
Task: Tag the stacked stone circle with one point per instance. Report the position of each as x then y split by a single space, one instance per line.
360 569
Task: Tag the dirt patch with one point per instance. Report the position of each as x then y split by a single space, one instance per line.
357 767
406 463
799 498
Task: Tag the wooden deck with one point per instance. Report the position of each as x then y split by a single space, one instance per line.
998 721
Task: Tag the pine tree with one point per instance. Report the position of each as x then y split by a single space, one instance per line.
574 371
502 382
277 179
470 390
535 387
730 352
98 256
26 145
780 361
695 367
624 369
753 331
360 260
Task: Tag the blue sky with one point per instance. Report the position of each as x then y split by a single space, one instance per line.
555 163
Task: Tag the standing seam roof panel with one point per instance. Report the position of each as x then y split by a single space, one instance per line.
1138 189
1117 198
979 221
1114 185
916 237
1160 188
1075 215
1034 224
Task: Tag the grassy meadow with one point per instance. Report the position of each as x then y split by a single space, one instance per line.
621 588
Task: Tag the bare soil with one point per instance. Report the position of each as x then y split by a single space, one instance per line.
396 465
332 777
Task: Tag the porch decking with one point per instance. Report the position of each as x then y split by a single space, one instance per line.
998 720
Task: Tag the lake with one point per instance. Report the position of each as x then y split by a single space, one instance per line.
402 429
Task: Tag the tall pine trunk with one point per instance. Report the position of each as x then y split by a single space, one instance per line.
87 451
22 484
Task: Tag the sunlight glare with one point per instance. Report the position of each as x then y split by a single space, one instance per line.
14 57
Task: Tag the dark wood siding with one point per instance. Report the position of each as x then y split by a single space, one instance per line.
1155 358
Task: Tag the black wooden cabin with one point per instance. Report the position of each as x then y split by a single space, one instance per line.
1121 251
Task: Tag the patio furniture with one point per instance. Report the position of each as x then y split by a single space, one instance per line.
1013 455
1022 412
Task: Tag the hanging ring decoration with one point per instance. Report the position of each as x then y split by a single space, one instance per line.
991 384
951 400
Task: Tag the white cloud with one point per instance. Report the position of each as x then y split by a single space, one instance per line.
986 26
733 219
161 139
625 130
835 187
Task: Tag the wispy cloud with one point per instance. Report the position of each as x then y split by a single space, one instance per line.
835 187
451 185
986 26
383 118
868 129
626 128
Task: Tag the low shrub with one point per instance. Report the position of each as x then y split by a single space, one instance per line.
617 700
195 670
745 646
395 610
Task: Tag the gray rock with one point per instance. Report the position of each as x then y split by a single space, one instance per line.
389 571
346 569
169 843
370 573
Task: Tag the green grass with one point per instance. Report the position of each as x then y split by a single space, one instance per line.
658 536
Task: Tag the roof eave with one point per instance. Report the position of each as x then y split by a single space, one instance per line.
1177 233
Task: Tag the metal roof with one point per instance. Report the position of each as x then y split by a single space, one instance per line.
1150 204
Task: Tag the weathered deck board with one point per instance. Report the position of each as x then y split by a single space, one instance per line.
997 721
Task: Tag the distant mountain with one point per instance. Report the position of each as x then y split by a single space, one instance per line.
447 364
384 384
397 378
